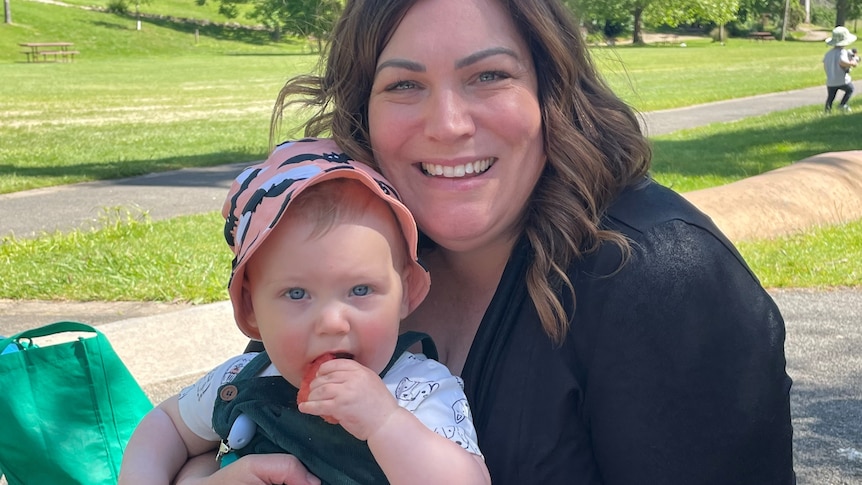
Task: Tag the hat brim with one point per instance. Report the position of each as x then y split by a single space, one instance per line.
845 42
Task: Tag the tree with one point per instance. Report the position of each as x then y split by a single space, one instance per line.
310 19
657 12
847 10
718 12
613 12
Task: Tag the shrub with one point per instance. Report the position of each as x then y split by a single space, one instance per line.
822 14
120 7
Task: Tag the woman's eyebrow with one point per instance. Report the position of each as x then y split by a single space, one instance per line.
483 54
460 63
401 64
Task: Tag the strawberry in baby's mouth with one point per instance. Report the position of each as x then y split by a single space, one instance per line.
311 373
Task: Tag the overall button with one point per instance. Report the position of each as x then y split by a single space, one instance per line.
228 392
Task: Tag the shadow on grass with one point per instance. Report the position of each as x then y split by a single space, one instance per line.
238 33
737 150
109 25
225 167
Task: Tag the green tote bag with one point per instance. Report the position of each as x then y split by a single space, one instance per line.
67 410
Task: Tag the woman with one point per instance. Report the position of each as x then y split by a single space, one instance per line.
607 333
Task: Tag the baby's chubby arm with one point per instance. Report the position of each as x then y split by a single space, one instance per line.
160 446
404 447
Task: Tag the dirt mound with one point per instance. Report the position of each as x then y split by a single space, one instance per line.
821 190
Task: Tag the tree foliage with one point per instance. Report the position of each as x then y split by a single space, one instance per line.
309 19
656 12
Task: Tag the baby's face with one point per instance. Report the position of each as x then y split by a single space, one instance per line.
340 292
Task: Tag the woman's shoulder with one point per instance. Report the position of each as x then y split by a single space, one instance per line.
665 232
642 208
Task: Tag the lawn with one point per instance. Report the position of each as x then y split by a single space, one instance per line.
135 102
161 98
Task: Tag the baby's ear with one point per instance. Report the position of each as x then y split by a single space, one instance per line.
249 323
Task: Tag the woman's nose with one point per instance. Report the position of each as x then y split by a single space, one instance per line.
447 116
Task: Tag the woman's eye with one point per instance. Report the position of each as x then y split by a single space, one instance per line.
361 290
491 76
401 86
296 293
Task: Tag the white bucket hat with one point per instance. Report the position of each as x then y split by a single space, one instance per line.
840 37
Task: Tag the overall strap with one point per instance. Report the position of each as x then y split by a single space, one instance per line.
405 341
253 368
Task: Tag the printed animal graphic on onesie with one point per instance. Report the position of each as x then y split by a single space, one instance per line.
456 434
411 393
461 409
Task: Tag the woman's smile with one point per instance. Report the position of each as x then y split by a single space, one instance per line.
457 171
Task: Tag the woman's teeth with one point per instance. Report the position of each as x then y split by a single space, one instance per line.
457 171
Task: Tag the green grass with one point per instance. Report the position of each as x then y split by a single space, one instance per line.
821 258
79 122
101 36
136 102
661 77
721 153
188 9
182 259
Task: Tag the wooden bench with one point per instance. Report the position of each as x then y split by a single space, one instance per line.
58 56
761 36
49 51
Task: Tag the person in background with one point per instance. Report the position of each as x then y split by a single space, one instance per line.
606 331
837 63
325 268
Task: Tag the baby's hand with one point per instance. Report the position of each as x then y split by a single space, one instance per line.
352 395
305 385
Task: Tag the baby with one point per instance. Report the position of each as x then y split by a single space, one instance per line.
326 267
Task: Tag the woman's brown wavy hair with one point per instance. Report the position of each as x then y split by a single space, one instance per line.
592 139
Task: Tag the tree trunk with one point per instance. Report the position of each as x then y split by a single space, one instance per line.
842 8
8 9
637 35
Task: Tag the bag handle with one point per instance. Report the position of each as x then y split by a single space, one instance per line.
51 329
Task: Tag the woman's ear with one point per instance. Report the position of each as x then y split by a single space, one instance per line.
249 325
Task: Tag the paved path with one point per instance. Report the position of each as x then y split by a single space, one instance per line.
824 330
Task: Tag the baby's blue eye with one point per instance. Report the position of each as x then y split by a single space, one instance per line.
296 293
361 290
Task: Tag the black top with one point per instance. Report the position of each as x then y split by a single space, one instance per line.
672 372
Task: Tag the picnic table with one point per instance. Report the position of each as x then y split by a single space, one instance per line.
49 51
761 36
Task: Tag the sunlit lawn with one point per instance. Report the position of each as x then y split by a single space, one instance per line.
137 102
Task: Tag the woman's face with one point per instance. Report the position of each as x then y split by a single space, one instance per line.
455 121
